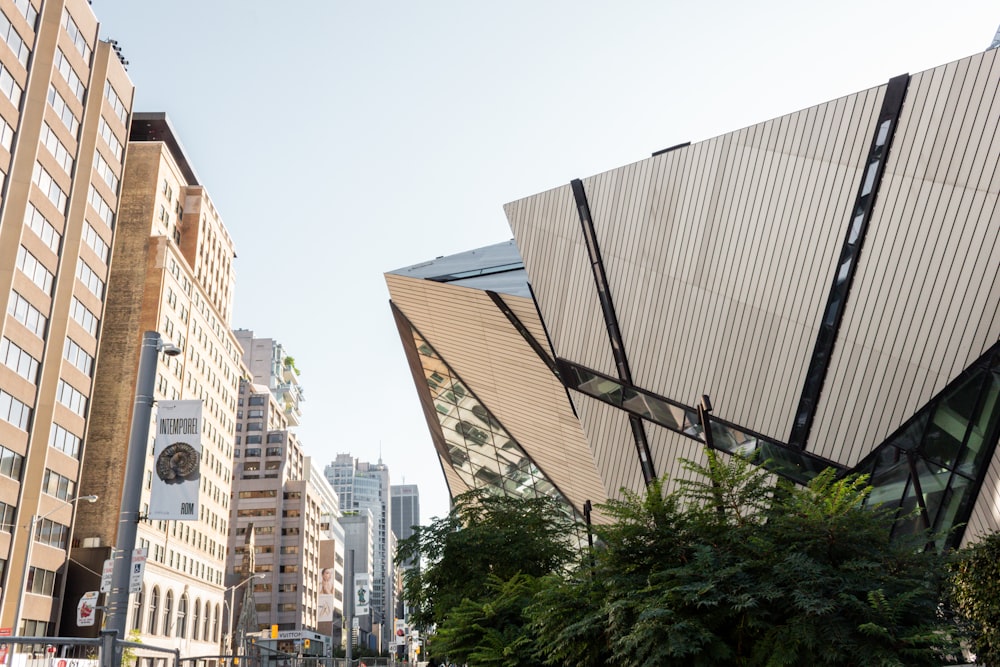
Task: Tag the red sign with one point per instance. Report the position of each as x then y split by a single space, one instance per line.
6 632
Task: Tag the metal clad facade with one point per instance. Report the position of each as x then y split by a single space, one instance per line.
913 319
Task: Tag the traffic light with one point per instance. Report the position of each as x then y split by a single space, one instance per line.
305 643
274 631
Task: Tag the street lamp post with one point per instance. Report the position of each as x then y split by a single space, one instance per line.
35 520
232 608
128 516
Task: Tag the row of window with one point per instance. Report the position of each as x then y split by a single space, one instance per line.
43 228
10 36
75 35
57 485
205 621
63 110
58 150
69 74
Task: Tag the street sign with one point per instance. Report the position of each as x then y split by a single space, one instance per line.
106 575
86 608
136 571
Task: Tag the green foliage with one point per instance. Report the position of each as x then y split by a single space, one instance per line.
730 568
128 653
484 538
734 568
494 631
976 596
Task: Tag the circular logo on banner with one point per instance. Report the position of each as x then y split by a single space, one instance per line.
176 463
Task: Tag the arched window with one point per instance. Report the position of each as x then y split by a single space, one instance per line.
151 619
215 625
195 629
137 609
168 612
209 622
182 610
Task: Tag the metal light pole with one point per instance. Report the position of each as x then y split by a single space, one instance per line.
232 609
135 463
349 600
35 520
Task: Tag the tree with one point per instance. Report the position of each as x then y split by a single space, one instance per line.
976 597
736 568
484 538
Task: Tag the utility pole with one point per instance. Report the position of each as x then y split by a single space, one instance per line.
349 602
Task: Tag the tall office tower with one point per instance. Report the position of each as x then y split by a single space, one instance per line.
361 484
404 510
272 366
360 539
64 113
330 618
171 272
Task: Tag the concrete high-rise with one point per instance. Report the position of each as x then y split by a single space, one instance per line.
404 510
404 500
65 101
364 485
172 272
287 500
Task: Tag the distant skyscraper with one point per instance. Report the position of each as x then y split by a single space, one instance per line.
65 101
363 485
405 510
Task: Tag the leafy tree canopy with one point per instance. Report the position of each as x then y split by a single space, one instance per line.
484 538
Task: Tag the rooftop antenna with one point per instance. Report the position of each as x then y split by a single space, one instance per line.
996 41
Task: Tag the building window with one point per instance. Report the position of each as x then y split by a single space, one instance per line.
35 270
182 617
63 111
41 582
154 603
42 228
19 361
49 187
25 313
11 464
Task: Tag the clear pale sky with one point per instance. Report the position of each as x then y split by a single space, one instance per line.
340 140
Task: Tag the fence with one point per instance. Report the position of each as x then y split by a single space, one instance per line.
79 652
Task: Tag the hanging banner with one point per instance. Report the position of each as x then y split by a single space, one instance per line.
176 461
362 594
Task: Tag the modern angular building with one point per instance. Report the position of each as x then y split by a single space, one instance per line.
828 278
65 102
172 272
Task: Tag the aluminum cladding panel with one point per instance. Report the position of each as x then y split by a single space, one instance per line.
719 258
925 299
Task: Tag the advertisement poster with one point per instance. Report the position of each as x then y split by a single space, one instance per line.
326 598
362 594
176 461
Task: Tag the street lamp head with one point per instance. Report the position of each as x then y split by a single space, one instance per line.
170 350
92 498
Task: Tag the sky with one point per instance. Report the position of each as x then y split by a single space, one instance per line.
340 140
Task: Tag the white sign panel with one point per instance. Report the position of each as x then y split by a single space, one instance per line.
362 594
400 632
86 610
136 570
176 461
107 575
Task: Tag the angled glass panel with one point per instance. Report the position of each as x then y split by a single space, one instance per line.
479 449
950 422
889 478
985 423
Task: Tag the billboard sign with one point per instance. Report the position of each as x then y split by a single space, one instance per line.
176 461
362 594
